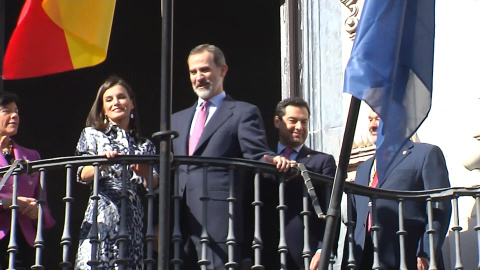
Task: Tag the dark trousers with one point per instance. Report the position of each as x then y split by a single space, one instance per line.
367 257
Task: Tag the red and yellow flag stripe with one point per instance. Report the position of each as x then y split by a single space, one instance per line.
58 35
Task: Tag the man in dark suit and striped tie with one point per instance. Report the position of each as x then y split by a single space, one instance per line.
417 166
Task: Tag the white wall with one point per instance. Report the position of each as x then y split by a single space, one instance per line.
455 115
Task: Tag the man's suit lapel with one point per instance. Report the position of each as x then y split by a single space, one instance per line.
304 155
222 114
403 153
363 178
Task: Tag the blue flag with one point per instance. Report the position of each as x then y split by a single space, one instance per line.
391 69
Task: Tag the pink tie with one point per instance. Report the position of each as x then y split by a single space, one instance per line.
198 129
287 152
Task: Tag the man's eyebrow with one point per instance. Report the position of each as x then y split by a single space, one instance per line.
296 118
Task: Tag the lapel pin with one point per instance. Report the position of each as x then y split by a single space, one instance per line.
404 152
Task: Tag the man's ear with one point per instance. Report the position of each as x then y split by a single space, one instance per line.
276 121
224 70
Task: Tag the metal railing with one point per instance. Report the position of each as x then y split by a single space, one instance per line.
427 199
313 182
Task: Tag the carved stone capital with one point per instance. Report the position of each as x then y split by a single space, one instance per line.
351 22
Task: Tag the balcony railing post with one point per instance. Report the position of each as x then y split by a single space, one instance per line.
477 227
231 240
401 235
257 244
177 235
39 243
93 234
350 231
456 230
204 239
150 233
66 240
307 252
431 235
123 236
12 245
375 229
282 209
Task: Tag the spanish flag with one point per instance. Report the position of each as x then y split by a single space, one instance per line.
54 36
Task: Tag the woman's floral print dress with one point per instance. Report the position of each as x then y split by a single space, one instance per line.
95 142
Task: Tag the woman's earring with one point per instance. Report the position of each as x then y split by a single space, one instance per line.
131 115
105 119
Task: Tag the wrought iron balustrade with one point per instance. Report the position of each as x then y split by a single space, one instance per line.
64 248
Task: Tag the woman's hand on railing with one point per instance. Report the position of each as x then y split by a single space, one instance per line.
111 154
143 171
88 172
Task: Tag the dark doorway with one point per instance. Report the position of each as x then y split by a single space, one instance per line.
53 108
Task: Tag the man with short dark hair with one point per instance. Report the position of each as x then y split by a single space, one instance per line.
291 119
215 126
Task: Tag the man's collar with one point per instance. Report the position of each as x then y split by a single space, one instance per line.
280 148
216 100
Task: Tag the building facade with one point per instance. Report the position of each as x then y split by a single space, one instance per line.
325 41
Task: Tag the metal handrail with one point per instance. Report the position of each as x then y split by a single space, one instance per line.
318 179
70 163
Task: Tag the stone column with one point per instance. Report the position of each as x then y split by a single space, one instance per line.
320 68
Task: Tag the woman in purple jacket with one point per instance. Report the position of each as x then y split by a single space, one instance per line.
28 191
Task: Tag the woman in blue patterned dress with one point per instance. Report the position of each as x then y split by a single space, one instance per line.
113 129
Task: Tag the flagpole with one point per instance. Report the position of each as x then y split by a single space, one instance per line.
165 134
333 213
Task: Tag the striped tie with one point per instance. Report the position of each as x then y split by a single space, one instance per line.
373 184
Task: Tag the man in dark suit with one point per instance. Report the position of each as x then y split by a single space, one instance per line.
291 119
230 129
417 166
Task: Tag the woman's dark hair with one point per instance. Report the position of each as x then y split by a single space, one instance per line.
96 117
7 98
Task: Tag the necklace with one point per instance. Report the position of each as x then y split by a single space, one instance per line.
8 154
